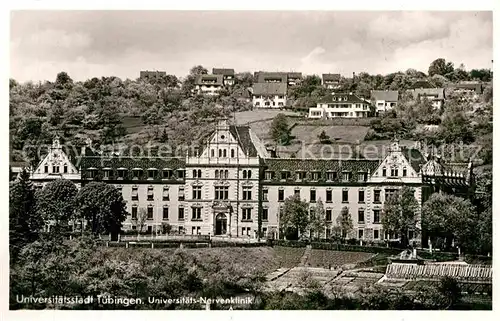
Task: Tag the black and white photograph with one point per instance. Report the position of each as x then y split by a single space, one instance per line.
250 160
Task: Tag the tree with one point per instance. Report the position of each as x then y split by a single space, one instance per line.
324 138
294 217
400 214
24 222
316 224
141 220
440 67
279 130
344 222
455 128
103 207
56 202
306 87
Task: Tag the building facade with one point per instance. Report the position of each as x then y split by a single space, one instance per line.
227 75
232 187
269 95
384 100
208 84
341 105
331 81
435 95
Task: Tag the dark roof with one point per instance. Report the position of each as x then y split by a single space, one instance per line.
331 77
131 162
387 95
294 75
242 134
19 164
439 92
269 89
200 78
322 165
351 98
223 71
263 76
147 73
414 157
477 87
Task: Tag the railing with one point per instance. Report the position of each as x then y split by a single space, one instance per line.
478 273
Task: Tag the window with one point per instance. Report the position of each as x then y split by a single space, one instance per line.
151 173
135 194
249 174
281 195
166 193
345 196
265 194
394 172
301 175
247 214
247 193
197 192
55 169
134 212
150 229
312 195
212 153
167 174
226 174
106 173
221 192
217 174
376 234
220 152
196 173
150 193
134 227
137 173
360 233
232 153
196 214
150 212
264 231
46 169
165 213
404 172
297 192
331 176
376 196
389 192
362 177
329 196
285 175
361 216
265 214
180 214
384 172
361 196
346 176
181 193
245 231
225 152
269 176
121 173
328 215
180 173
65 168
376 216
315 176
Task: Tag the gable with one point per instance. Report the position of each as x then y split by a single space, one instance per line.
55 163
397 163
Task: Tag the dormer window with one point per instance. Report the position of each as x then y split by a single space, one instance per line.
331 176
346 176
394 172
121 172
137 173
362 176
301 175
384 172
107 173
65 169
46 169
92 173
167 173
404 172
316 176
180 173
152 173
285 175
269 175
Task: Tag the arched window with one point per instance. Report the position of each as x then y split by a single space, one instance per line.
199 173
216 174
249 174
225 153
194 173
226 174
384 172
212 153
232 153
220 152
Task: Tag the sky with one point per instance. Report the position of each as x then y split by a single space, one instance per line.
89 44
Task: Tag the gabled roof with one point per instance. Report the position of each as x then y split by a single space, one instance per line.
414 157
269 89
263 76
131 162
294 75
349 99
223 71
242 134
439 92
200 78
331 77
387 95
476 86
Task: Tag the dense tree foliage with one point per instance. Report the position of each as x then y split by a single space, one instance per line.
344 222
280 130
294 217
400 214
56 202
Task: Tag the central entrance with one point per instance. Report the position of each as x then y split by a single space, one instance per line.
221 224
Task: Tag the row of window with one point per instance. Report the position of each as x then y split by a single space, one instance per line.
315 175
267 103
137 173
361 216
148 214
56 169
394 172
329 195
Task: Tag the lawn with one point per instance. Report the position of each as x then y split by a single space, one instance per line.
326 258
308 134
251 116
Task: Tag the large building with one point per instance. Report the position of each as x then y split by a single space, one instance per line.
269 95
227 75
341 105
232 187
208 84
384 100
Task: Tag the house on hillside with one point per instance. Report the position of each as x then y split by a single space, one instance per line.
269 95
341 105
208 84
435 95
146 74
294 78
470 89
271 77
227 75
384 100
331 81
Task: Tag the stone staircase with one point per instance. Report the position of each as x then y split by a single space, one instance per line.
305 257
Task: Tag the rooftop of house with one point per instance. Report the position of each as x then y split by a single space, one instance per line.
294 75
264 76
439 92
331 77
148 73
342 99
387 95
269 89
212 79
476 86
223 71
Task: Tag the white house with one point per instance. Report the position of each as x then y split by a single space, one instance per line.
209 84
341 105
434 95
227 75
269 95
384 100
331 81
